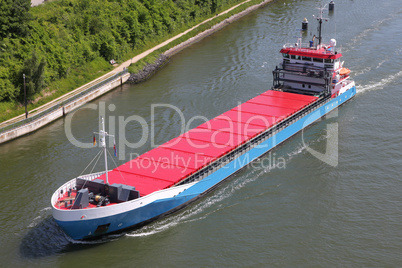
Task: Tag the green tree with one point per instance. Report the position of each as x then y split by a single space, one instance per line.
69 35
34 69
7 89
14 18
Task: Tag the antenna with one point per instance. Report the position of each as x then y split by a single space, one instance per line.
320 19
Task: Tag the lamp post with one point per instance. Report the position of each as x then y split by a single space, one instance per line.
25 98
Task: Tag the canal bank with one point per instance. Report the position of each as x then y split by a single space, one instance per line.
47 113
61 108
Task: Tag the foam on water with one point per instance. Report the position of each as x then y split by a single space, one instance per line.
201 209
42 214
378 85
362 35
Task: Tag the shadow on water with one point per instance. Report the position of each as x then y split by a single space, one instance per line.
48 239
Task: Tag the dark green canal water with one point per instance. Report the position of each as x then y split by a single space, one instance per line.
289 209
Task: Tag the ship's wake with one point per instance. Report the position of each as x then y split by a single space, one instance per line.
200 210
46 238
375 27
378 85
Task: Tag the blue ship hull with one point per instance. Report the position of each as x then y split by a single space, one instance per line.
85 229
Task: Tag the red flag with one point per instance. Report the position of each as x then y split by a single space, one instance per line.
94 140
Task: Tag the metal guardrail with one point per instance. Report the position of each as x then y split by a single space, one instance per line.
62 103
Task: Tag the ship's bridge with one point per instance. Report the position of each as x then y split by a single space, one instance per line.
324 56
307 69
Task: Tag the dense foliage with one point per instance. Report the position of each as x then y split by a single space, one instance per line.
14 16
50 41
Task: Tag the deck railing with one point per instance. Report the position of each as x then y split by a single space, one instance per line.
305 47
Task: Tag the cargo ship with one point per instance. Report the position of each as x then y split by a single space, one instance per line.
309 83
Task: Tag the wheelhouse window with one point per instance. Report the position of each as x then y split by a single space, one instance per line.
285 55
306 58
328 60
318 60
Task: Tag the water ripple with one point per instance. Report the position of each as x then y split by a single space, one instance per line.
378 85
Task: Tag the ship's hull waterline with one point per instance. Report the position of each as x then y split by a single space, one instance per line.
91 223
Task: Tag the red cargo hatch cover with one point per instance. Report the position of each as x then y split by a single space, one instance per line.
181 157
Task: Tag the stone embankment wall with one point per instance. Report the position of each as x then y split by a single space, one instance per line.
62 110
148 70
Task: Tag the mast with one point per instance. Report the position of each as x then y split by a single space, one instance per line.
320 19
102 137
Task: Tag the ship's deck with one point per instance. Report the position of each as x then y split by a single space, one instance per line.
181 157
